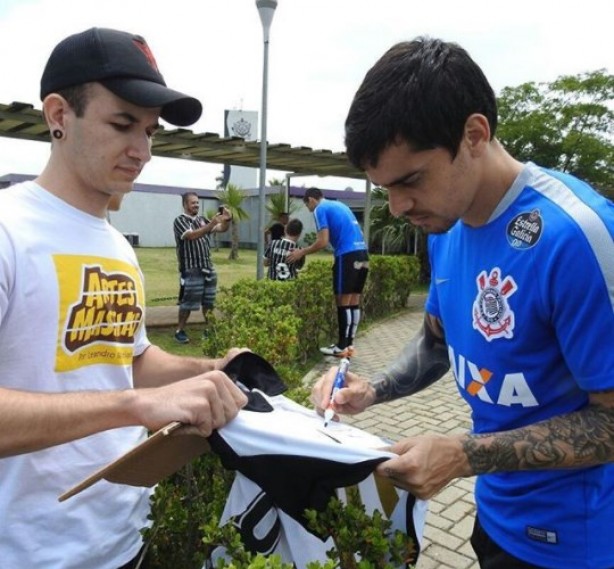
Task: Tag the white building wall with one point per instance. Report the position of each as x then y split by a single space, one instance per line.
150 217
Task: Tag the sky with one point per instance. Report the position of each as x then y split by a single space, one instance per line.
319 52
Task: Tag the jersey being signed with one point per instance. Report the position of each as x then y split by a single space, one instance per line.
287 462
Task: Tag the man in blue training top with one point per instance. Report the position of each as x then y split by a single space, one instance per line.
520 306
337 225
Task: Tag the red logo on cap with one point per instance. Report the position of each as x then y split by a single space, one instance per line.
142 45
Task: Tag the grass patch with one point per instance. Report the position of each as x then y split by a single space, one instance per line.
159 265
164 337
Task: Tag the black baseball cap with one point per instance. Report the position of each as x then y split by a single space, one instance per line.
125 65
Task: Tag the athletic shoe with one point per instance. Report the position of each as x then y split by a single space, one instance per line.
337 352
182 337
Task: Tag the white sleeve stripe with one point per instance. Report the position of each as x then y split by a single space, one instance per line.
588 221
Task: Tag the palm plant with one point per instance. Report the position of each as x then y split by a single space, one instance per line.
210 214
391 234
396 235
277 202
232 198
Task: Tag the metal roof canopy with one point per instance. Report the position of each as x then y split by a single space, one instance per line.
23 121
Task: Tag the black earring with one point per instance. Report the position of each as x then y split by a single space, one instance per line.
57 134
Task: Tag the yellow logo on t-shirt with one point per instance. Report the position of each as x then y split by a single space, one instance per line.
101 309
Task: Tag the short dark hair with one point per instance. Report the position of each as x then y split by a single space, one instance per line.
294 227
77 97
420 92
315 193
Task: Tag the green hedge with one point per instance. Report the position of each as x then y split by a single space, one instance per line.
286 322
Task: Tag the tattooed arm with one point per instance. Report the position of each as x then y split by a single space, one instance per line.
581 439
421 363
585 438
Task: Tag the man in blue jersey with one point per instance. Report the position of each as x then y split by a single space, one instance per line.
520 306
337 225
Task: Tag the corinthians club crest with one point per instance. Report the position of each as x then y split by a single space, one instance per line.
492 316
242 128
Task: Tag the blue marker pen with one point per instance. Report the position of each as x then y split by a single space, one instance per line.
339 382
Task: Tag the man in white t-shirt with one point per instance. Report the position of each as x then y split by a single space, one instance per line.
79 381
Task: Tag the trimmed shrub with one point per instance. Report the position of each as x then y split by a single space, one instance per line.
286 322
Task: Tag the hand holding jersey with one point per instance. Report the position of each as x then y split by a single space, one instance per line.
202 403
286 462
222 362
426 464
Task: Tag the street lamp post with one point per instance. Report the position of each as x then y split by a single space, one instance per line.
266 9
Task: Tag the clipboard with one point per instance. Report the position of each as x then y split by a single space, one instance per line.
160 455
169 449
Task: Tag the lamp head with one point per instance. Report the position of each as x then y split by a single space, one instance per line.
266 9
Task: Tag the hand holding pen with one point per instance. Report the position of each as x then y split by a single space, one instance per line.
339 382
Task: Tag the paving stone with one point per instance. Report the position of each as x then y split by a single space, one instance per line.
456 511
468 552
451 494
463 528
440 522
445 557
426 562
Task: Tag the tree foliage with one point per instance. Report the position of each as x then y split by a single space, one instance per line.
232 197
388 234
210 214
567 125
277 204
391 235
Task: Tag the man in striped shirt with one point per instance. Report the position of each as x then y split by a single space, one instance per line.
280 269
197 274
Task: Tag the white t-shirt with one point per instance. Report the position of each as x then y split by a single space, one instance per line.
71 319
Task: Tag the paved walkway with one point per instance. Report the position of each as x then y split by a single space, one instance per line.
438 409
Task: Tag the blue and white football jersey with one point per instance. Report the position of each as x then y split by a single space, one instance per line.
527 304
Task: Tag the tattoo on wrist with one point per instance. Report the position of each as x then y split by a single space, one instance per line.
384 389
583 438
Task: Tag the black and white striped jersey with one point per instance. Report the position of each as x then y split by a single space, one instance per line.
279 269
191 253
